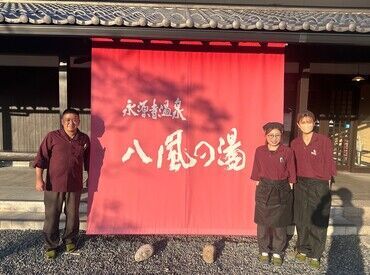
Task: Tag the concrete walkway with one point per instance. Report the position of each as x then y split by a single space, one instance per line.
351 186
17 183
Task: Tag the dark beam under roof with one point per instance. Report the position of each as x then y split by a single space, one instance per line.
185 34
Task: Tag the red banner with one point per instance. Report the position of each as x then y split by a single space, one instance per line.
173 138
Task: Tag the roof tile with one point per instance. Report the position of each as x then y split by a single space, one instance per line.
172 16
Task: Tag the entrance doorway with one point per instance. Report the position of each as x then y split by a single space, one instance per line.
342 108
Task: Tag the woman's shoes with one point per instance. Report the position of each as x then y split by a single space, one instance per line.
264 258
300 257
314 263
277 260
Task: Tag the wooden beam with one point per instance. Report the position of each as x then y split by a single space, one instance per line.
22 60
17 156
291 67
340 68
334 38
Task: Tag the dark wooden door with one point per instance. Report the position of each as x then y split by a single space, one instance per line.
334 99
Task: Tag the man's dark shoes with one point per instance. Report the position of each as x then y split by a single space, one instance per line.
50 254
70 247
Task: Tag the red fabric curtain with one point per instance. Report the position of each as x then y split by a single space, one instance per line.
173 138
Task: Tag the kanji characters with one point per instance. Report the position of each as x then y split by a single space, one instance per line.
129 109
177 113
230 155
175 156
155 111
234 157
130 151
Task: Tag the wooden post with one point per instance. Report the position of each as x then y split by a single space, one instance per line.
303 88
352 145
324 127
302 92
63 93
6 130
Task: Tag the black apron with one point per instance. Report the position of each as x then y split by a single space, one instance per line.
312 200
274 203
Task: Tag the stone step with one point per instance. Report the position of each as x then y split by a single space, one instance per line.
352 203
35 220
31 220
31 206
344 219
38 206
348 229
340 230
355 209
351 213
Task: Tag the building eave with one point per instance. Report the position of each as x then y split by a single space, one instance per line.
184 34
189 22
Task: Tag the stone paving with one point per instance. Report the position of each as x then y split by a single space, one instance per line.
21 253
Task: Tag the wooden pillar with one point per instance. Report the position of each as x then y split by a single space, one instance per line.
302 92
63 93
303 88
6 125
324 126
1 129
352 145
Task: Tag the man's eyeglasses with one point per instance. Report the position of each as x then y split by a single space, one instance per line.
74 121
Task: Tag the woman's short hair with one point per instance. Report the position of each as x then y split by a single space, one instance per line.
268 127
305 113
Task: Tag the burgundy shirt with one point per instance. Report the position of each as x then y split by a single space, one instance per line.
314 160
274 165
64 158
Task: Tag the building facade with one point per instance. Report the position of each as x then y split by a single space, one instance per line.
46 53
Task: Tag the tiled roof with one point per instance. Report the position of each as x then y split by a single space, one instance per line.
185 16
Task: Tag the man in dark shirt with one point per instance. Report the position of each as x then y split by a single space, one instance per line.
63 153
312 198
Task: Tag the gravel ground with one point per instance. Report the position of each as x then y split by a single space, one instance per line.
21 253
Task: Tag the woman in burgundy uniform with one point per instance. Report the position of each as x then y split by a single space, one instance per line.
274 173
312 198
